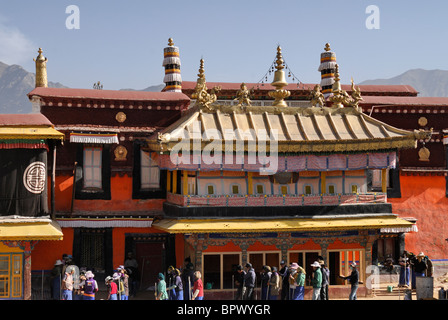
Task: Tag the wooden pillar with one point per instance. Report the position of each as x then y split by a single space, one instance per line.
323 184
27 272
168 181
384 180
185 182
174 181
249 183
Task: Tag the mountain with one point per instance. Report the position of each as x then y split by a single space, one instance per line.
429 83
15 84
156 88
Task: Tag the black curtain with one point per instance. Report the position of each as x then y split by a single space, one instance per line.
23 182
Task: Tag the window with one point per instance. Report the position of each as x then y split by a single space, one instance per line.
260 188
11 274
220 270
92 172
150 172
354 188
92 167
284 189
331 189
210 189
235 189
308 189
377 179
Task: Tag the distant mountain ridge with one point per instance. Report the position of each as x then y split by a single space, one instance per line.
429 83
16 83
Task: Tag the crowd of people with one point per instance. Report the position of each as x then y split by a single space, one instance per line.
285 283
68 282
185 285
288 282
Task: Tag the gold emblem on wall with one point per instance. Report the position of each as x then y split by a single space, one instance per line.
120 117
422 121
120 153
423 154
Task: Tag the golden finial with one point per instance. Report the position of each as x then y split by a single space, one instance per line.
170 42
327 47
279 82
203 98
279 60
41 70
339 96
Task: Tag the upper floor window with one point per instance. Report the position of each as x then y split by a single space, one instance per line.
92 167
150 172
235 189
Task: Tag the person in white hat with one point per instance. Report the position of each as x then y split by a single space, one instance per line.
316 281
353 279
90 286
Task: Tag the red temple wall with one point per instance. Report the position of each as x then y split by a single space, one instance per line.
121 197
423 197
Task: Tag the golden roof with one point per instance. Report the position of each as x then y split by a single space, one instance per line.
304 130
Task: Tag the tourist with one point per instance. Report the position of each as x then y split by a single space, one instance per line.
249 282
325 280
67 284
161 293
125 280
177 287
316 281
90 286
293 274
354 281
239 282
265 276
405 270
111 288
274 284
284 273
198 287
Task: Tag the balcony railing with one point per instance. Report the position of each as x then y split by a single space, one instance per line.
274 200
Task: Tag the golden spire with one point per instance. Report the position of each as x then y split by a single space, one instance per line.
41 70
279 82
327 47
203 98
170 42
339 96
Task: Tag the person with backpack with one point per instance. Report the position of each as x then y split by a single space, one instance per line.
90 286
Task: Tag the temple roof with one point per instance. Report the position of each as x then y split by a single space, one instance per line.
303 130
70 93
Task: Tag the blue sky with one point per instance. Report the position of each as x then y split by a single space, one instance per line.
120 43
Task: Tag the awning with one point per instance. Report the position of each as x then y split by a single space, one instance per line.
14 229
101 138
280 225
105 222
29 132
